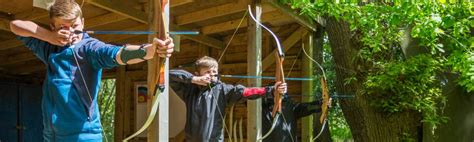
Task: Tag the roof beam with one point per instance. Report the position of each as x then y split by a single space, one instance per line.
121 9
33 14
231 25
104 20
4 24
27 68
141 17
175 3
218 11
206 40
17 58
5 21
206 14
8 44
292 13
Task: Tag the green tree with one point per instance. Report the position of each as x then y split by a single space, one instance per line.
395 57
106 100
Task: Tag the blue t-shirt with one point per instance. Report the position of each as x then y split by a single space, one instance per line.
70 109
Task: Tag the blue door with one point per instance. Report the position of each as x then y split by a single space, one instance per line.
20 113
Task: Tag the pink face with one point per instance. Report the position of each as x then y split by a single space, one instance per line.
211 72
69 25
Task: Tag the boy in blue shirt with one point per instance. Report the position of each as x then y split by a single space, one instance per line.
74 69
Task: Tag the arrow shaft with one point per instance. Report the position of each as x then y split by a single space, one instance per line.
264 77
138 32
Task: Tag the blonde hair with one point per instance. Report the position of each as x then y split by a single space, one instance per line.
65 9
205 62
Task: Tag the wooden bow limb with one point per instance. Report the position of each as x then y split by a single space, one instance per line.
279 77
324 106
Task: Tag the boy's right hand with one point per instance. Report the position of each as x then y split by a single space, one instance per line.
61 37
281 87
201 80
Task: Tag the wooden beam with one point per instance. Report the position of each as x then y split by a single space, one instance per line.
307 87
120 101
125 10
5 21
175 3
293 14
121 9
231 25
206 40
32 14
103 20
206 14
17 58
4 24
254 59
8 44
217 11
287 44
28 68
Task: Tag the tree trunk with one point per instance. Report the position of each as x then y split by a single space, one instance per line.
460 110
366 123
318 38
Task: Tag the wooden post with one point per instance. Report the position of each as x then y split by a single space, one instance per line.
120 132
152 132
159 128
254 68
307 87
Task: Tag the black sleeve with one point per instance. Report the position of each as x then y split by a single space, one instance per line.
305 109
180 76
180 81
233 93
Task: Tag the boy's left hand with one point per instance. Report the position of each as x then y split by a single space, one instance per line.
280 87
163 48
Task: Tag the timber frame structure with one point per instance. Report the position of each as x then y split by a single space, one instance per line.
249 52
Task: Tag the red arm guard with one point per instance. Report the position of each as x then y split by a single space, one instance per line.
254 91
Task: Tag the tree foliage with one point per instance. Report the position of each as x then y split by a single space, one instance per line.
398 82
106 101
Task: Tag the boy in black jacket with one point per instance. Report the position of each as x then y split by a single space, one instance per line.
206 98
285 128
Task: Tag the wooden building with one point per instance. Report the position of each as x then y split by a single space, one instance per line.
221 24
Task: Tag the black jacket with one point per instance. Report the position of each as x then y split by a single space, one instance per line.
285 129
205 105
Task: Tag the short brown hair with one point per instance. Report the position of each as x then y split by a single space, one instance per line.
65 9
205 62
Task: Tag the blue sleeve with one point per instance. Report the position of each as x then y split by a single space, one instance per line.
40 48
102 55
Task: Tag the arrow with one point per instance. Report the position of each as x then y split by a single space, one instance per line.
136 32
264 77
